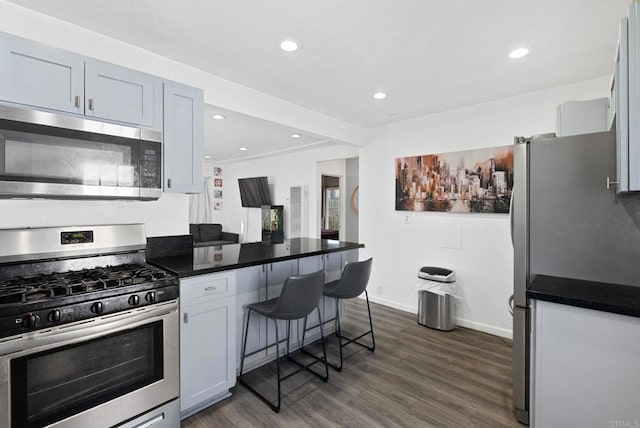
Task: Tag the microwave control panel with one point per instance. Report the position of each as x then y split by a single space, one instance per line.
150 164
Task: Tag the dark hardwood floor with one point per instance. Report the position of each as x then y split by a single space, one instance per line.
417 377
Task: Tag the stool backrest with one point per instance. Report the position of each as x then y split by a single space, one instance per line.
300 295
354 279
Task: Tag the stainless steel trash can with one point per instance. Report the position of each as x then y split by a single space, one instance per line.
436 304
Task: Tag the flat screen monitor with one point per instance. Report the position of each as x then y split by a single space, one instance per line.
254 192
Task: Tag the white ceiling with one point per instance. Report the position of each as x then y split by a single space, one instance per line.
427 55
223 138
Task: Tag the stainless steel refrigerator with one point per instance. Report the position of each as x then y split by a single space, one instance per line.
566 222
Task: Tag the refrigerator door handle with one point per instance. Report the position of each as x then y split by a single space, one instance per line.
513 192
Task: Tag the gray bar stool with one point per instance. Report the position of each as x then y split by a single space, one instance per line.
299 297
352 283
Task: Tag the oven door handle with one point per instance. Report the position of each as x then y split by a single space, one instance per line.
151 422
87 330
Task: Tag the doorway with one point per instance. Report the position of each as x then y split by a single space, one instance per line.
330 208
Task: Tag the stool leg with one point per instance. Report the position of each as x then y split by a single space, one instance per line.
277 408
244 344
324 350
304 332
373 340
339 334
288 334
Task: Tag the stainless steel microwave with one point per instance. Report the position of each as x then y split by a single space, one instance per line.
47 155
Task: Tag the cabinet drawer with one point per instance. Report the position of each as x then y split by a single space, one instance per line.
206 287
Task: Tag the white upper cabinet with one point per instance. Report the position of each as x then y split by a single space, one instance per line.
619 107
53 79
121 94
41 76
625 94
183 138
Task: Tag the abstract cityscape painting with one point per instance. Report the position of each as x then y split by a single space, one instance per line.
471 181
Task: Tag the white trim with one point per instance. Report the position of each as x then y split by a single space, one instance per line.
391 304
485 328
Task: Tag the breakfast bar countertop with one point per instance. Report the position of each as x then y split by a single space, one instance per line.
220 258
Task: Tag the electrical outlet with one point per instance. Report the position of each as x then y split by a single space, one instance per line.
379 289
407 219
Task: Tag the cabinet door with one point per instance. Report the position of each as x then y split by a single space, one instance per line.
40 76
207 351
585 367
183 138
119 94
620 92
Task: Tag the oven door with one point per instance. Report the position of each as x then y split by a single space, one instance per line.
91 374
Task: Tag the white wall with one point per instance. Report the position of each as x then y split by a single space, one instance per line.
476 246
169 215
301 168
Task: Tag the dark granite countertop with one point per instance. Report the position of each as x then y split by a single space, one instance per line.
614 298
234 256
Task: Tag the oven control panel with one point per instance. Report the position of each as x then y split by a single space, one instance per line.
100 305
76 237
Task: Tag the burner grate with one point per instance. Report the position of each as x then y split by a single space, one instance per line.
57 285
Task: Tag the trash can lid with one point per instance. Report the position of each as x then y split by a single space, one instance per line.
437 274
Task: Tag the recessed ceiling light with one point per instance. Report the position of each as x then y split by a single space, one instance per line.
289 45
379 96
207 157
518 53
296 135
244 149
218 116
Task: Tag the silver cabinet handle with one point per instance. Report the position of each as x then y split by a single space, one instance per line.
77 101
185 318
91 104
609 183
212 288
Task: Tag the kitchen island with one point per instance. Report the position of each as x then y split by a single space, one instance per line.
204 260
216 284
585 353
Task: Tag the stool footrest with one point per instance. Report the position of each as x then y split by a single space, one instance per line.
275 408
355 340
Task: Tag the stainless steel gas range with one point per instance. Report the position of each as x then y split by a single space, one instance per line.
88 330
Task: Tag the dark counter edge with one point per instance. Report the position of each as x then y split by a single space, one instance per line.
599 296
159 261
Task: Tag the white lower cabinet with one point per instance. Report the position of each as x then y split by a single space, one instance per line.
585 368
207 340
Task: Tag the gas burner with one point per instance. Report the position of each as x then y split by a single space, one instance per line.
58 285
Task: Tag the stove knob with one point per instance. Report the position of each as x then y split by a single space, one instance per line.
54 316
31 321
151 297
134 300
97 308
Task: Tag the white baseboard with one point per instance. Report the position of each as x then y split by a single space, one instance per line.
392 304
473 325
485 328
